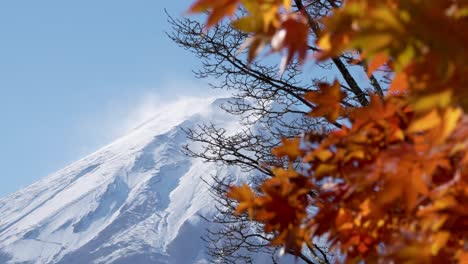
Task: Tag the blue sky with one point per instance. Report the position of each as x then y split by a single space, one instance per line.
75 74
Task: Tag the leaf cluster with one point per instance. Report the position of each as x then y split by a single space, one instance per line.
390 183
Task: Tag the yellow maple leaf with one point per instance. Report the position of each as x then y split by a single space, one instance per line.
439 241
426 122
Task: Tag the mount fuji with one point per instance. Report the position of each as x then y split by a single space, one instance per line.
137 200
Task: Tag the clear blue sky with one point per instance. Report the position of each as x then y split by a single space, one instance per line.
73 72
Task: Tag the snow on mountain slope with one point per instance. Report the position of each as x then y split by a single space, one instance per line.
134 201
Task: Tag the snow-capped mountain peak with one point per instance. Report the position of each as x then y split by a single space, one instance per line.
136 200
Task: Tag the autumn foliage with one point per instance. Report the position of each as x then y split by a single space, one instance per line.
390 182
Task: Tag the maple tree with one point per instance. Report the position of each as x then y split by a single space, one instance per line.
390 183
270 106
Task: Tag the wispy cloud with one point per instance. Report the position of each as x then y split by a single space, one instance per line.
120 115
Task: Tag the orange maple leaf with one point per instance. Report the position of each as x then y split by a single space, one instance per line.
399 83
327 101
246 198
375 63
218 9
289 148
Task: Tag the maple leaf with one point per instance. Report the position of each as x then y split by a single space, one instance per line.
399 83
378 110
289 148
377 61
428 121
246 198
292 35
440 99
284 174
327 101
218 9
405 176
439 241
263 18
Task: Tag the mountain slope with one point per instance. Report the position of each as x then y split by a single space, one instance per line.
136 200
